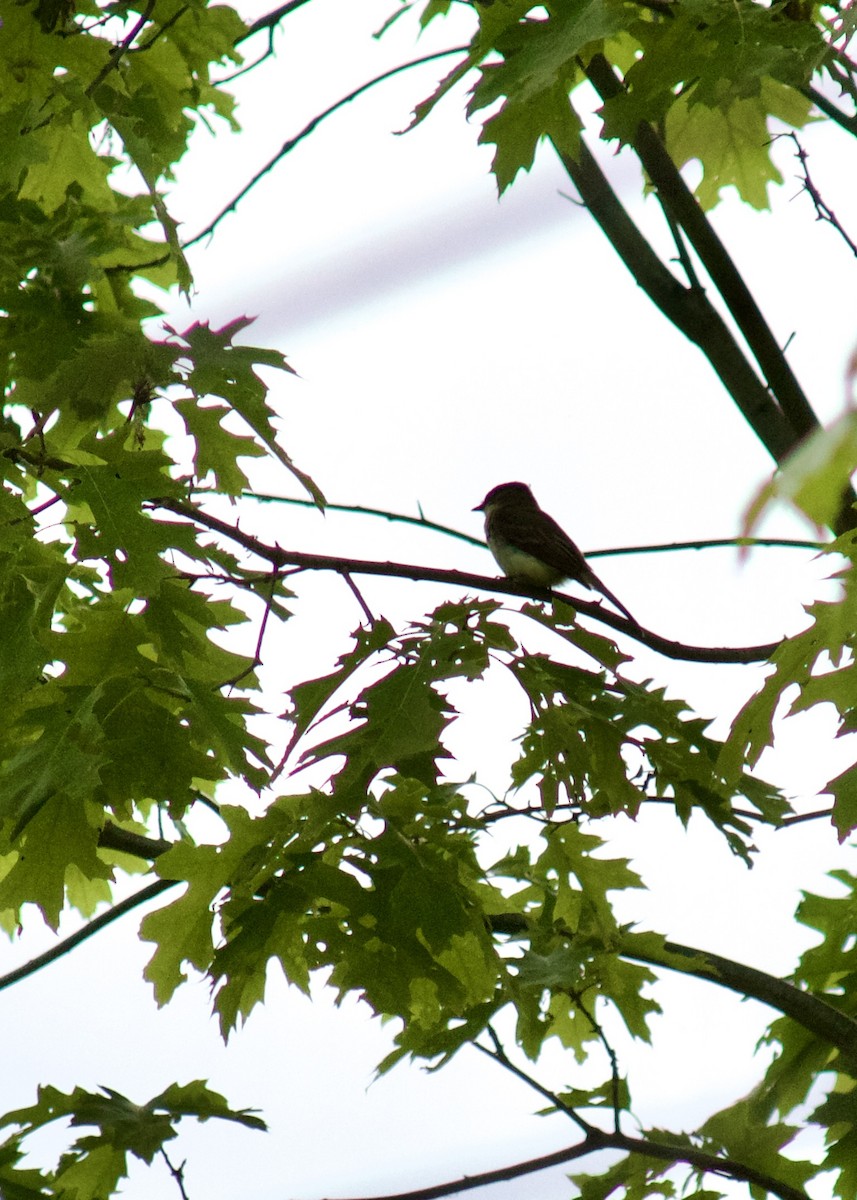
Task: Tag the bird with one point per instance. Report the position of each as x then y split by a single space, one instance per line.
530 546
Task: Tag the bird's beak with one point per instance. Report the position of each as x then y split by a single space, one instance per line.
480 507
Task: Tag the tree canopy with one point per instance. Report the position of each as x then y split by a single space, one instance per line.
126 447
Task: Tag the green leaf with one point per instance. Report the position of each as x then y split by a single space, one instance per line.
217 450
540 63
634 1177
738 1133
61 833
220 368
838 1115
309 698
733 143
843 788
612 1094
815 476
183 929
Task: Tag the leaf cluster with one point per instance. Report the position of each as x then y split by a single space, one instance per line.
117 696
97 1162
712 77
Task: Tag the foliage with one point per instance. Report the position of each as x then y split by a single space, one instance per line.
96 1162
126 707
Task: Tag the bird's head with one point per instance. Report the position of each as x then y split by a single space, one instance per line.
506 493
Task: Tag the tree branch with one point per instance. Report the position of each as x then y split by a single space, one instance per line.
422 522
816 1015
116 52
715 258
112 837
393 570
485 1178
823 212
176 1172
92 927
846 121
689 309
499 1055
269 20
597 1141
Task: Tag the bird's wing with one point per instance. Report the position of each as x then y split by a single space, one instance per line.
547 541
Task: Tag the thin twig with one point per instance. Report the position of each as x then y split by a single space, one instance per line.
367 611
177 1173
747 815
500 1056
288 146
611 1054
257 653
118 50
423 523
92 927
161 30
799 818
822 210
269 20
680 245
465 579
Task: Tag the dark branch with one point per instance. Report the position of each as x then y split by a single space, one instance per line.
846 121
485 1178
269 20
359 597
423 522
597 1141
715 258
114 838
115 56
823 212
392 570
177 1174
688 309
91 928
500 1056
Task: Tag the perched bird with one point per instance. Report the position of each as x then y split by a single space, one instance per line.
529 545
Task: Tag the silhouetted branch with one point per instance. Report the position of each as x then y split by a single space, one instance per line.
823 212
422 522
728 1168
92 927
116 52
465 579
